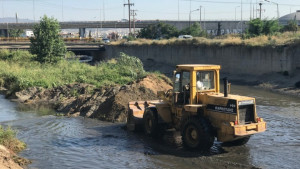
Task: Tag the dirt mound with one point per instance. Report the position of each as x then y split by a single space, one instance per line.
107 103
7 159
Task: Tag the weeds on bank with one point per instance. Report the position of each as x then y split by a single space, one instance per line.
9 140
278 39
17 73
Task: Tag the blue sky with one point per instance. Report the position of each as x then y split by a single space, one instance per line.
89 10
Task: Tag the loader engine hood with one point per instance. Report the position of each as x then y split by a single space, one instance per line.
230 104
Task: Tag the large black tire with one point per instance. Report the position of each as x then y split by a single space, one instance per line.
151 126
238 142
197 134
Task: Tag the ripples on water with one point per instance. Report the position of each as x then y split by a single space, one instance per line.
60 142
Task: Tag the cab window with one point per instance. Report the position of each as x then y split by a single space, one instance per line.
205 80
177 82
185 79
181 79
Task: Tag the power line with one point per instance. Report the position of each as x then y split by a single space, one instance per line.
233 2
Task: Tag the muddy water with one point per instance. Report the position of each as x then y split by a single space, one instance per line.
61 142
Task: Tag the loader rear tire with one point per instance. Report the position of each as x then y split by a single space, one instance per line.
151 126
197 134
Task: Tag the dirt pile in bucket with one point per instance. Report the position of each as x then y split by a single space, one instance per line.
108 103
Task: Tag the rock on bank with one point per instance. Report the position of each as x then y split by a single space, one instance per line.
107 103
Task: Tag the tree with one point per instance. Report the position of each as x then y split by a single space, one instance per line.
160 30
271 27
267 27
292 26
255 27
194 30
15 32
46 43
113 36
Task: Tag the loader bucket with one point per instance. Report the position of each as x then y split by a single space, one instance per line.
135 114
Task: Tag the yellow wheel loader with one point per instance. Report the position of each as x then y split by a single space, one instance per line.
197 109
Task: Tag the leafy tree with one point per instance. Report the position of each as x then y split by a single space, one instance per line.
194 30
15 32
46 43
267 27
255 27
292 26
271 27
160 30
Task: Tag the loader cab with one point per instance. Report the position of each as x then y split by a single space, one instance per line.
191 80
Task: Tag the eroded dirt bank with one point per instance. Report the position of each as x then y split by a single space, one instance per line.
9 160
107 103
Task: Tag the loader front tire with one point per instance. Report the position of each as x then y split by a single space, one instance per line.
197 134
151 126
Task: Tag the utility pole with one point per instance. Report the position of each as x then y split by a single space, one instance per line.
178 10
200 15
260 4
133 14
129 4
235 11
33 4
103 8
204 18
124 10
241 16
17 18
2 8
62 10
250 10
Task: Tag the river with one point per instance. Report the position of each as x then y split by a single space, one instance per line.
61 142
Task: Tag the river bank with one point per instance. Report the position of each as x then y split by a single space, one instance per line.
9 146
108 103
280 83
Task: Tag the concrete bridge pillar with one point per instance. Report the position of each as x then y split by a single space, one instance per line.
82 32
3 33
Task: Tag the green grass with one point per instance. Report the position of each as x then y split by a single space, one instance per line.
9 140
17 73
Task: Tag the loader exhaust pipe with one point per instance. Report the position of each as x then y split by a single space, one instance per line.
225 87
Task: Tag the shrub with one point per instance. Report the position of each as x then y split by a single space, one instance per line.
158 31
292 26
9 140
194 30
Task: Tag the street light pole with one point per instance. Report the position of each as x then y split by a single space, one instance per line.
276 5
235 11
190 16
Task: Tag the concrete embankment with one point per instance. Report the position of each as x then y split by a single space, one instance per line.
234 59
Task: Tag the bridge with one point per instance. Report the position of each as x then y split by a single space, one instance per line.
210 26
